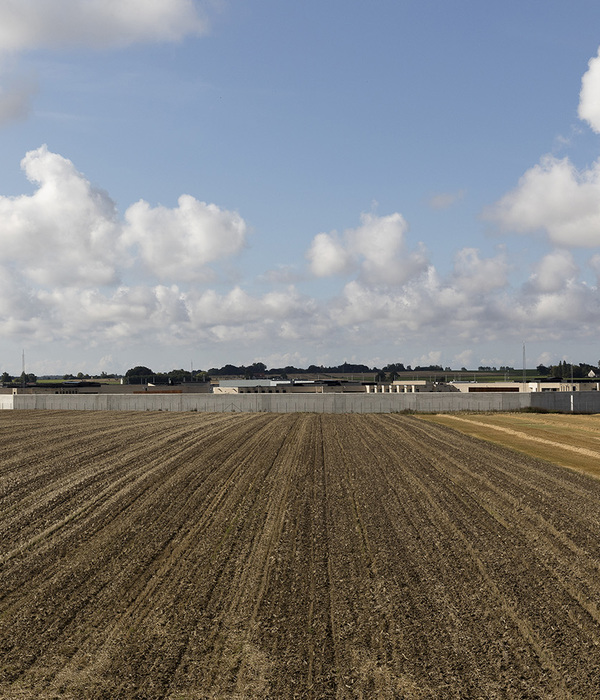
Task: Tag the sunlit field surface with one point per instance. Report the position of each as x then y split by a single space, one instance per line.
190 555
570 440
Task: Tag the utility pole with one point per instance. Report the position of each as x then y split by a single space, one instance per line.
524 372
572 385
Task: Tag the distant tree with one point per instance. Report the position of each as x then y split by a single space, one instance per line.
565 370
284 371
139 371
227 370
348 368
139 374
6 378
257 369
585 369
542 370
395 367
579 371
176 376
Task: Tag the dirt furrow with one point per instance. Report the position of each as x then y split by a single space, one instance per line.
97 571
523 572
290 555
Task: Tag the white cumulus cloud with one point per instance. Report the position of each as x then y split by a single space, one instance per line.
239 308
34 24
431 358
177 244
589 97
555 197
127 314
553 272
328 256
463 359
66 232
69 233
377 248
474 274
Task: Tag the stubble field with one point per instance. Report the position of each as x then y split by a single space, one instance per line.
562 438
170 555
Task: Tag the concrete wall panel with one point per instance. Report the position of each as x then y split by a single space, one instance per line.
567 401
6 401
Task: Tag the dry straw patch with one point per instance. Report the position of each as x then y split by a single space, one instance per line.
568 440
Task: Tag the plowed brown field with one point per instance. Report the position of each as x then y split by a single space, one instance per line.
170 555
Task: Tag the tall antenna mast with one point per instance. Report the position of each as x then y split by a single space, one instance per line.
23 365
524 373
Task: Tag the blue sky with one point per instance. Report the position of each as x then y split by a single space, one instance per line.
298 183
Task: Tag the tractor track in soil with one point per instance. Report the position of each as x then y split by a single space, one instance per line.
171 556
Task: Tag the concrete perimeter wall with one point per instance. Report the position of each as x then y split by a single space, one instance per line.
579 402
567 401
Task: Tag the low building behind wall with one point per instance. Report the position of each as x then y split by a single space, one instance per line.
528 386
264 386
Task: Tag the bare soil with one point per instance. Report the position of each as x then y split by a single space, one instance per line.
170 555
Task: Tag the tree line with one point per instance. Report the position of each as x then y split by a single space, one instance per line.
258 370
24 378
565 370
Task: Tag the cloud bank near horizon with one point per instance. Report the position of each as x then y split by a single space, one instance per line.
73 268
